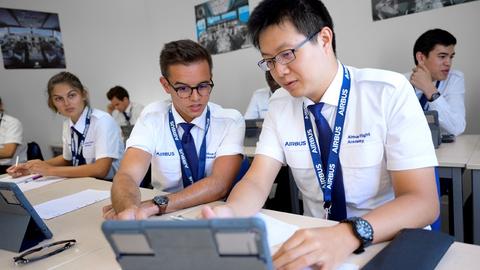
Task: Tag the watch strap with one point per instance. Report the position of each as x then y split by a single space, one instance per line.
363 230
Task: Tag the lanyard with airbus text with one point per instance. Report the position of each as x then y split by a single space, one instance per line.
1 118
178 143
327 184
77 152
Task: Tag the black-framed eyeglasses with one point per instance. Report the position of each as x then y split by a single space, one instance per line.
43 252
185 91
283 57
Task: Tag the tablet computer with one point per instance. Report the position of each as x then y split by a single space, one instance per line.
239 243
20 226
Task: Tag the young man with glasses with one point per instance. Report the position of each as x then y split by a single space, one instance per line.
356 141
195 146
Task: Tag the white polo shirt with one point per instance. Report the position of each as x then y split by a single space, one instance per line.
385 130
11 131
152 134
258 106
133 110
451 103
103 139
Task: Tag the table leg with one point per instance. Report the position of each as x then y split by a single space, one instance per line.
476 206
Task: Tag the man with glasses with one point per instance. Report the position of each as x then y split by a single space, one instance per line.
356 141
195 146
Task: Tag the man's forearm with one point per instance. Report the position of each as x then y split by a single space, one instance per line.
204 191
125 193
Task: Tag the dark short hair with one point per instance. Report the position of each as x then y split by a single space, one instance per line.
68 78
117 91
427 41
308 16
182 52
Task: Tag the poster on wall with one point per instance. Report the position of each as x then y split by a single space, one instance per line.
385 9
222 25
30 39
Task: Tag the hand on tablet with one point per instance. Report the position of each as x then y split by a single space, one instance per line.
320 248
221 211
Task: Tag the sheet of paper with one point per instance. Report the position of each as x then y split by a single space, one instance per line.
26 183
57 207
277 231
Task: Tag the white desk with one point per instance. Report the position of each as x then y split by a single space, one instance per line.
93 252
474 165
452 160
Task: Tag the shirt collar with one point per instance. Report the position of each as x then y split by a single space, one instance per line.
199 121
129 108
80 125
333 91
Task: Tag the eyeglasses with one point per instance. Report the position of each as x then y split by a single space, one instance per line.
44 251
185 91
283 57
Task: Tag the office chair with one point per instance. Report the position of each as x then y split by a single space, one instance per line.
34 151
243 169
436 225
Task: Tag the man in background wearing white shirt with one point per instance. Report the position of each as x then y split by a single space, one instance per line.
124 111
438 87
258 106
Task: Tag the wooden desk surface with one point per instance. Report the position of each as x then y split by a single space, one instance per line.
93 252
474 162
458 153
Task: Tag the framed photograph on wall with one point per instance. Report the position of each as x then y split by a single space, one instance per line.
222 25
385 9
30 39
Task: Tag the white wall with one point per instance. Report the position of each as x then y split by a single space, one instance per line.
112 42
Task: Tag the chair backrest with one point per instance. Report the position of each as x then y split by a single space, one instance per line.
436 225
34 151
243 169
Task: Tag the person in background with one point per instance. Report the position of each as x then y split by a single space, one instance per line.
356 141
11 141
258 106
92 145
439 87
195 147
124 111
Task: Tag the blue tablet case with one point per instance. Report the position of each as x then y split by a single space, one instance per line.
20 226
239 243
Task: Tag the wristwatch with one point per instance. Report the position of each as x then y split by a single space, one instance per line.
362 230
162 202
434 96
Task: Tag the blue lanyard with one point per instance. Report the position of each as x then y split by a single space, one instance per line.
333 157
77 152
178 143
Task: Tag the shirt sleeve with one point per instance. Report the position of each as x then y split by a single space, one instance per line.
232 143
14 132
451 106
67 154
252 109
408 140
143 134
269 141
108 142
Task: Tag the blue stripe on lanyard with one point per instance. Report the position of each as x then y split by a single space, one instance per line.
333 156
178 143
77 152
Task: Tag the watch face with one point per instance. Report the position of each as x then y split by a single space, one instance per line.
160 200
364 229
